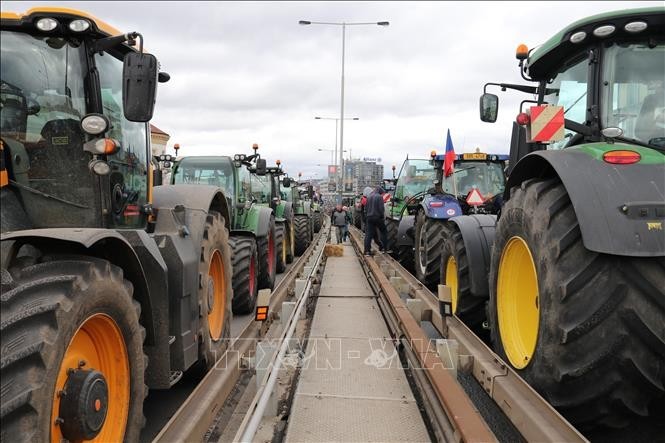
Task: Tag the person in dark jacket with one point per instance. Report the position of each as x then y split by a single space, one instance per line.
339 220
375 212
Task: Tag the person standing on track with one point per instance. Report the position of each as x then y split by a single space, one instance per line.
376 221
345 234
339 221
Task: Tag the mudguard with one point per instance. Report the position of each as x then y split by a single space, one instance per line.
263 222
181 218
478 235
405 234
440 206
620 208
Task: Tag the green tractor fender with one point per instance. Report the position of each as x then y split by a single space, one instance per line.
619 208
257 220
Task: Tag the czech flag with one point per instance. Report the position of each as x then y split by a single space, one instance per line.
448 164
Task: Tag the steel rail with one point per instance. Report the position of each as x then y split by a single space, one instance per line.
529 412
193 418
252 420
461 412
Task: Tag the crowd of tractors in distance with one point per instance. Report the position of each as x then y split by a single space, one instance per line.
118 278
273 217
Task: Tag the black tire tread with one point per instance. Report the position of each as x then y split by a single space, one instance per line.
37 301
434 242
243 252
279 247
301 231
470 308
266 277
600 356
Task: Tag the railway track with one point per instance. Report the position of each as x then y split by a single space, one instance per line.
197 413
531 415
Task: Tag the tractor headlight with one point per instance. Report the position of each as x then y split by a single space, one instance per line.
47 24
99 167
95 124
79 25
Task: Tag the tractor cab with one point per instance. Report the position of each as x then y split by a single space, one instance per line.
74 110
478 180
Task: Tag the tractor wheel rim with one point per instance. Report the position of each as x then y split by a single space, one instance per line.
97 345
517 301
422 250
271 253
218 296
451 281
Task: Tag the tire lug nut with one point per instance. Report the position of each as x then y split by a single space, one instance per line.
59 421
82 363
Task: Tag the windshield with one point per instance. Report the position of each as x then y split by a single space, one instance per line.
570 86
43 98
416 176
487 177
261 188
634 91
202 171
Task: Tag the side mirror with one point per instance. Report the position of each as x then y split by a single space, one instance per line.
489 107
261 167
139 86
286 182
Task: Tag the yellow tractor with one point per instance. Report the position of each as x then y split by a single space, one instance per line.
109 285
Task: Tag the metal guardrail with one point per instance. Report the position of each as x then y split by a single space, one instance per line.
194 417
531 415
257 408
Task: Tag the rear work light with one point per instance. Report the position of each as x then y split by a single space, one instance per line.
621 157
261 313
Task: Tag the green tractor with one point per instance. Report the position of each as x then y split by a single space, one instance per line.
300 198
577 272
283 209
110 285
252 239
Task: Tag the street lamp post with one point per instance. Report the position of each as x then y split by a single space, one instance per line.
341 114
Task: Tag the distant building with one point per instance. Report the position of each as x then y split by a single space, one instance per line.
358 174
158 140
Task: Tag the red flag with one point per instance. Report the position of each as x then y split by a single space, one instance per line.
448 164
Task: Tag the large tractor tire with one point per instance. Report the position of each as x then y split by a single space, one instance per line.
70 324
405 257
245 274
301 228
267 257
584 329
316 221
290 241
216 294
280 247
392 228
428 243
468 307
357 220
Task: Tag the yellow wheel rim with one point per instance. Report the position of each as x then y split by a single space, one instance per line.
517 302
98 343
216 294
451 280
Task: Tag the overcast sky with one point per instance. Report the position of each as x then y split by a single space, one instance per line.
246 72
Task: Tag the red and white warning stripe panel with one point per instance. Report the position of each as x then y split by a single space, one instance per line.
547 124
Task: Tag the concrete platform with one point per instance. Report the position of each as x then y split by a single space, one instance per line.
352 387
